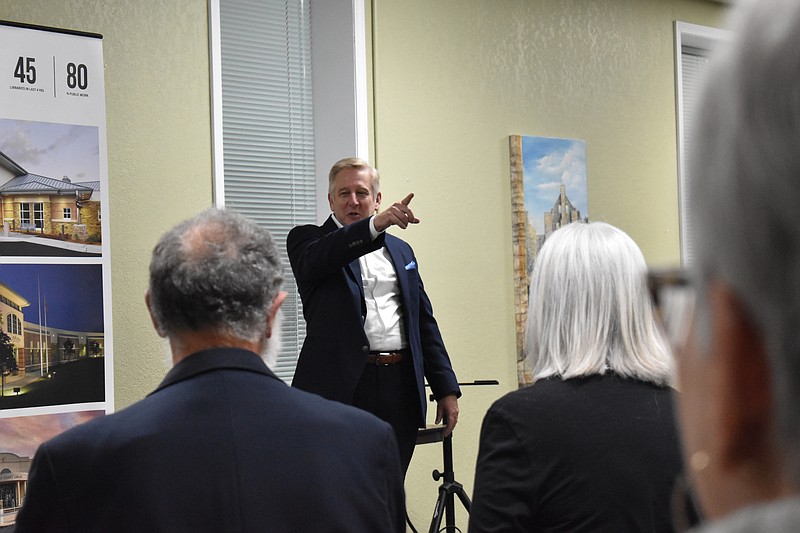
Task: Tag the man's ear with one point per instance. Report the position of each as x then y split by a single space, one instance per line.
273 312
743 379
152 317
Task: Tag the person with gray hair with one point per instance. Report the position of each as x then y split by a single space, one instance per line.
591 445
222 444
734 315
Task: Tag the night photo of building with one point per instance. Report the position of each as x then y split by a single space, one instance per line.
52 317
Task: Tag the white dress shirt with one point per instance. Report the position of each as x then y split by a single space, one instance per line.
384 325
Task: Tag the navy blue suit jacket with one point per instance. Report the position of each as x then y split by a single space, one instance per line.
324 260
221 445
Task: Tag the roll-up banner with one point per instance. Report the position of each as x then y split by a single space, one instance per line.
55 280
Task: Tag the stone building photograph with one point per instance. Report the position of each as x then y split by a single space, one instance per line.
19 439
49 188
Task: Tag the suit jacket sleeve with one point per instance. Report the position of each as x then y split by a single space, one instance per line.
503 497
316 253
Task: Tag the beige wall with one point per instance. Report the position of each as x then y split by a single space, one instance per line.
452 80
159 147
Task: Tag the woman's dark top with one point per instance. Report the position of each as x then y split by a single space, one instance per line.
596 454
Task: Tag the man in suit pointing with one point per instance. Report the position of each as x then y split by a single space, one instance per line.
371 336
222 444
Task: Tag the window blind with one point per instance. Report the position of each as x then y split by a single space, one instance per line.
267 132
693 47
694 63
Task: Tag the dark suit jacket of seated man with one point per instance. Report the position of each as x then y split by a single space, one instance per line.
222 444
334 358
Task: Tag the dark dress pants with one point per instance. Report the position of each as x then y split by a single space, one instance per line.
390 393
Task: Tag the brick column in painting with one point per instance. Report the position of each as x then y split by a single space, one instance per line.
520 239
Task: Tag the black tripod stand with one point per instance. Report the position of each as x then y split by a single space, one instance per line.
445 505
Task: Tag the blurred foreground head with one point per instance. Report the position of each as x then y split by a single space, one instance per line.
739 368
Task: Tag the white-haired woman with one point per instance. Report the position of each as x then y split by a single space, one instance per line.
591 445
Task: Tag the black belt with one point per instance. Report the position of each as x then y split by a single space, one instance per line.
385 358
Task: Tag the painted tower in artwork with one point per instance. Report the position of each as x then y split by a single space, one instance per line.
562 213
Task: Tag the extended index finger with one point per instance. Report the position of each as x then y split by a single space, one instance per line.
407 199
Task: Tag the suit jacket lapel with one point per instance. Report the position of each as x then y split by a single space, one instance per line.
354 271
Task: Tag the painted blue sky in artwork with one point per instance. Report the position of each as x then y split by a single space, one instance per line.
52 150
547 164
74 293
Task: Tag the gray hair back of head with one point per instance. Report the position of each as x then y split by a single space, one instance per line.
216 271
589 311
745 189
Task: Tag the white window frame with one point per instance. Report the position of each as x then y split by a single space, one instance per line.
25 213
38 215
67 213
339 88
700 40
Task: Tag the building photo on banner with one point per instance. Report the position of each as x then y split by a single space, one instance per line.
548 190
55 298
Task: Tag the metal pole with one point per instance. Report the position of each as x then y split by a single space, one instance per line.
39 304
